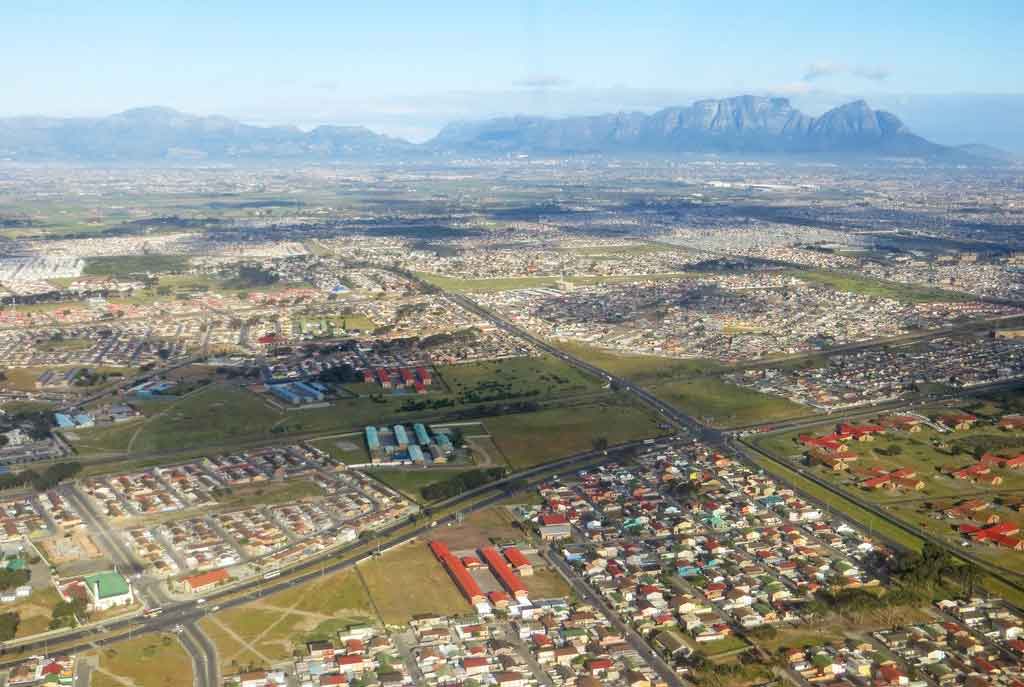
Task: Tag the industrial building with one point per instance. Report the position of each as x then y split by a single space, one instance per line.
509 580
463 580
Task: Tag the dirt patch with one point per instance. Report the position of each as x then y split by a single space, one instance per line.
482 528
76 546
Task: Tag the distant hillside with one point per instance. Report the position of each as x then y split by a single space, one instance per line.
744 124
157 133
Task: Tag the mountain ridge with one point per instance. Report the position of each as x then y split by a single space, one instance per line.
743 125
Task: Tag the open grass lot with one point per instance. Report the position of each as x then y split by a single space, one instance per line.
348 449
546 583
529 439
263 635
409 580
211 417
15 407
410 481
480 529
639 367
540 377
485 285
24 378
124 265
339 593
35 611
876 287
153 660
726 405
723 646
269 494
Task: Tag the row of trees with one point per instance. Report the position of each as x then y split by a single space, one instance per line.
41 481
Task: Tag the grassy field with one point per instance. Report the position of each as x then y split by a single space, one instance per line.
485 285
529 439
35 611
337 594
640 367
879 288
155 660
124 265
410 482
350 449
541 377
409 580
480 529
211 417
268 632
726 405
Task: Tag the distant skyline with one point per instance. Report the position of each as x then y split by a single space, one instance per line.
407 68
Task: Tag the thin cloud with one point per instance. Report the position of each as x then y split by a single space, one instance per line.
544 81
821 70
873 73
818 70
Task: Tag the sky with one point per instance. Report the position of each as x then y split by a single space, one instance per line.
406 68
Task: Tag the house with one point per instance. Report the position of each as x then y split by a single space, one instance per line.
957 421
204 582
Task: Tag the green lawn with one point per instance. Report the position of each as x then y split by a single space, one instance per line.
485 285
411 481
349 449
877 287
533 377
640 367
153 660
210 417
409 580
124 265
726 405
529 439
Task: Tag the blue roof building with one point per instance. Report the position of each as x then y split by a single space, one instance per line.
401 438
372 439
422 437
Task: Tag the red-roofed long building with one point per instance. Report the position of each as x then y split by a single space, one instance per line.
509 580
463 580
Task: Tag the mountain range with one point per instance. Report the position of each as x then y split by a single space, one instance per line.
741 125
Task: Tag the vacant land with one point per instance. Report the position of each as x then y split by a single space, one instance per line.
410 481
481 529
35 611
529 439
726 405
485 285
212 417
345 449
156 660
409 580
125 265
879 288
640 367
540 377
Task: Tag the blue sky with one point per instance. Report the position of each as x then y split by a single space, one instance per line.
407 67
